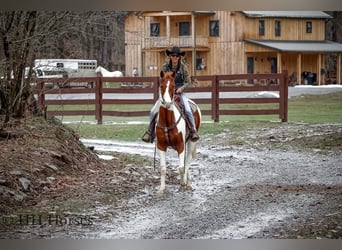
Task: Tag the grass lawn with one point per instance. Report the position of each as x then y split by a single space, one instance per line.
308 109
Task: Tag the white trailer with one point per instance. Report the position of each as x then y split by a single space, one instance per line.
69 68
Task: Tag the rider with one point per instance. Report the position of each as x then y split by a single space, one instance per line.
182 80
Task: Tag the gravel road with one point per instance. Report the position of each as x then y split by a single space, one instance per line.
265 187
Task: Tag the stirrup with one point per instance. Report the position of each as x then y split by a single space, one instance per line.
147 137
194 136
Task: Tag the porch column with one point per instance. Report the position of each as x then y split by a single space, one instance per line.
319 66
279 63
193 34
168 28
299 68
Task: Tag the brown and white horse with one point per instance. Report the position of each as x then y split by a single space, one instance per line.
171 131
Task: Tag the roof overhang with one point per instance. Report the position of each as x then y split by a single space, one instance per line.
173 13
299 46
287 14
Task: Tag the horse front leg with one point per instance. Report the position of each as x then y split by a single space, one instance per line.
186 177
181 169
162 155
190 154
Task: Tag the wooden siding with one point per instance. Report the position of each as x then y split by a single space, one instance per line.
226 52
291 29
134 31
255 48
226 58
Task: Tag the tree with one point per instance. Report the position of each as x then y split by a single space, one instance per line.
26 35
21 34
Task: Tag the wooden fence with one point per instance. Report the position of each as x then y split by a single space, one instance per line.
214 86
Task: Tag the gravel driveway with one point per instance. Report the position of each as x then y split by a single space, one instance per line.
247 191
284 181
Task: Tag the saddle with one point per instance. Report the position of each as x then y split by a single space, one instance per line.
181 108
179 103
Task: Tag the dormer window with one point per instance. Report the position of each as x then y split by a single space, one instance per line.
308 27
261 27
277 28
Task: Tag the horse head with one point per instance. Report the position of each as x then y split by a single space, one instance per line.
167 88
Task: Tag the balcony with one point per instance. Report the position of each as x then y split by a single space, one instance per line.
163 42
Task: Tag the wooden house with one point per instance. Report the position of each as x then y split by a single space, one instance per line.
233 42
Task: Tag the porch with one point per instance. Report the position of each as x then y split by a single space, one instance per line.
305 61
165 42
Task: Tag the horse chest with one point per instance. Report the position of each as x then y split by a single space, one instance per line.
170 137
167 134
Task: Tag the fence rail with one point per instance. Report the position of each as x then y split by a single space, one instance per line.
216 86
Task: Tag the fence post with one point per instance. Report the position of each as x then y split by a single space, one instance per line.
283 92
286 95
215 99
98 100
155 89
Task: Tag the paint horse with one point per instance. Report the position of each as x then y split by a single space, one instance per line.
172 130
105 73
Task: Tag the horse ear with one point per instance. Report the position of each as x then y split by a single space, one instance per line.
173 74
161 74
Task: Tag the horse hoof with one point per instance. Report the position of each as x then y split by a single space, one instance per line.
160 193
185 187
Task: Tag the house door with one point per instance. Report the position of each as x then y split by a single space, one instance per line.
274 65
250 67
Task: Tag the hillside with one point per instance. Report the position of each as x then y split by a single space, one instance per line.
43 163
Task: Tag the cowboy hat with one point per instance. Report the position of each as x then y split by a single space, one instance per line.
175 50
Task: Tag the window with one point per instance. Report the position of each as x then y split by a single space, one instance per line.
261 27
277 28
86 65
155 29
214 28
60 65
184 29
309 27
200 64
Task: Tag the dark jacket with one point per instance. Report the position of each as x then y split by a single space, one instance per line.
182 74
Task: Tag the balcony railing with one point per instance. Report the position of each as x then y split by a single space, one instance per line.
182 41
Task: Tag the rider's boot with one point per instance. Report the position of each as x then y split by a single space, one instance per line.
193 131
150 133
193 134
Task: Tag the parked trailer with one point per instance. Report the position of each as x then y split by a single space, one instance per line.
67 68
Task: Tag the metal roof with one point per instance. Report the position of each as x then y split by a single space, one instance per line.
299 46
287 14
